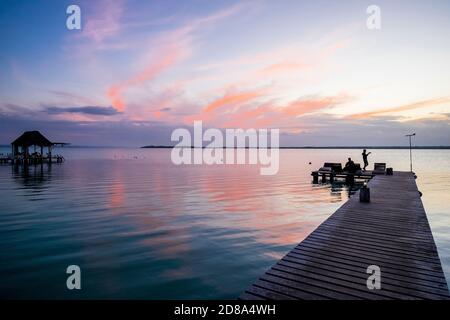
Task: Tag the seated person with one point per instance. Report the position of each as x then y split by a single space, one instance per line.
350 166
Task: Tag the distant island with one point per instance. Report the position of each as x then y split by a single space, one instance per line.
318 147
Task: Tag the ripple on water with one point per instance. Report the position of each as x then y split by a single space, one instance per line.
144 228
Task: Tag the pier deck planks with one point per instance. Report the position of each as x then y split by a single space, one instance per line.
392 232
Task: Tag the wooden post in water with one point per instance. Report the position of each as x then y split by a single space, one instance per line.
315 175
331 177
350 179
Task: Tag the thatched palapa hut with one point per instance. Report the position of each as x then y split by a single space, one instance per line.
20 147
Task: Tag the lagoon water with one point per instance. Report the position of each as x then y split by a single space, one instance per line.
140 227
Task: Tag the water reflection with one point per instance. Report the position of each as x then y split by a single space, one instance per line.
32 176
338 187
141 227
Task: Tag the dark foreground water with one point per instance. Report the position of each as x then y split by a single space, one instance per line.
140 227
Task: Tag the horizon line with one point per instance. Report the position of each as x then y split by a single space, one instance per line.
247 147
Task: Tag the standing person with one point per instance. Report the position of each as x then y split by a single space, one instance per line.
365 155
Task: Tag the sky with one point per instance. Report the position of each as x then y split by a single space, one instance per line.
137 70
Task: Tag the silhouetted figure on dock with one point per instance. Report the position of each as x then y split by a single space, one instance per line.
350 166
365 155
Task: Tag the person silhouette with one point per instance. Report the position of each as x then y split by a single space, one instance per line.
365 155
350 166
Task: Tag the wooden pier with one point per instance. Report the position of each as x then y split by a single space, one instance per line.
391 232
31 160
349 178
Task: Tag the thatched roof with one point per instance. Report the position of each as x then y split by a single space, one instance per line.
32 138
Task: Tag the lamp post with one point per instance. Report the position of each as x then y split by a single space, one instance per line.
410 147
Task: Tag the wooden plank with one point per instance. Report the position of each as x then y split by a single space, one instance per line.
383 251
321 281
286 290
389 267
251 296
370 244
357 271
392 286
364 264
265 294
392 232
394 259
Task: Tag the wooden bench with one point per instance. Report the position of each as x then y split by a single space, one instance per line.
379 168
335 167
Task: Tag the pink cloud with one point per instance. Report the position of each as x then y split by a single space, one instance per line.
176 46
309 105
233 99
405 107
161 62
248 113
115 95
104 22
282 67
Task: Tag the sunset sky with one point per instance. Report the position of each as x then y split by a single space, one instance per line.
138 69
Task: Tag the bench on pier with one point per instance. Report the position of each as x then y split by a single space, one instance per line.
379 168
332 170
331 166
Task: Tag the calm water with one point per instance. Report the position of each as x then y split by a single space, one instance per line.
140 227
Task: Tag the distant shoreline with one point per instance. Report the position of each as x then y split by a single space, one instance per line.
302 147
329 147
